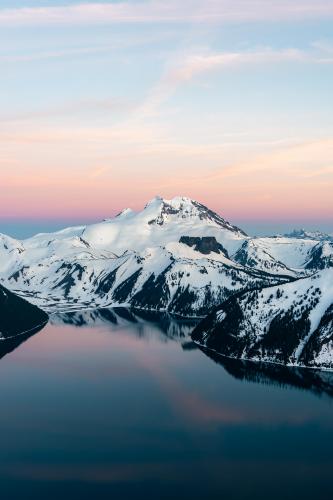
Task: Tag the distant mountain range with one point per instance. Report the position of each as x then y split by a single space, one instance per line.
180 257
310 235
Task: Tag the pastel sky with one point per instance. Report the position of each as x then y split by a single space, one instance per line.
105 105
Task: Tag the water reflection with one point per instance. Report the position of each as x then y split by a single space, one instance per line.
10 344
164 327
117 404
317 381
171 328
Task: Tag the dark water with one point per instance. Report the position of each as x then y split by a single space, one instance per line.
110 405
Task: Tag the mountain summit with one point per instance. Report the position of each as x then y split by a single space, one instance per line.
182 207
159 223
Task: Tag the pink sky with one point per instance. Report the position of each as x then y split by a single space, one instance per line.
106 105
288 181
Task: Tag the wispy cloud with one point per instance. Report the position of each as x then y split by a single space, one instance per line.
304 160
88 107
221 11
54 54
115 44
196 64
186 67
294 179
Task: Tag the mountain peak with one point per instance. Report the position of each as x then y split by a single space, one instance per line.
123 213
157 200
182 207
178 202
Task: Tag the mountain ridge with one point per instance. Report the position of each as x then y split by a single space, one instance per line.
290 324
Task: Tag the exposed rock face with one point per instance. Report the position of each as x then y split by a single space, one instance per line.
204 245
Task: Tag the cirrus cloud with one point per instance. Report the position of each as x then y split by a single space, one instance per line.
196 11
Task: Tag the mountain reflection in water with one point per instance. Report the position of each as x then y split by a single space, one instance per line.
116 403
317 381
170 327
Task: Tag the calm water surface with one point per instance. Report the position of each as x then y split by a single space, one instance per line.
110 405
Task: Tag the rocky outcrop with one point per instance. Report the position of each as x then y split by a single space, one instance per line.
17 316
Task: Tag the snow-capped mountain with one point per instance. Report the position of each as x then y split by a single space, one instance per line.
175 255
290 324
160 223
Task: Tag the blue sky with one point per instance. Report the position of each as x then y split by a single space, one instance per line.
107 104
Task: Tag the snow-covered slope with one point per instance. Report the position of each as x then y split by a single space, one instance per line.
290 324
10 253
161 222
254 253
174 255
176 278
321 256
291 252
